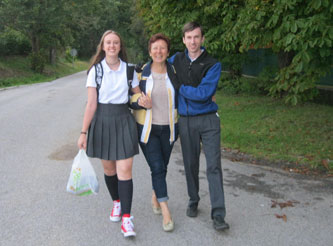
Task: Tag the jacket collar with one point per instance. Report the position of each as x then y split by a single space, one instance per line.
147 69
203 51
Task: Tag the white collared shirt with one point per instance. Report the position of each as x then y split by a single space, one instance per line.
114 87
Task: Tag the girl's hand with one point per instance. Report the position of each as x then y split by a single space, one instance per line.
82 142
145 101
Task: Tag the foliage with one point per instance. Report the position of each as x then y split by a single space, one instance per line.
52 26
37 62
248 85
13 43
302 30
92 18
43 22
299 32
68 57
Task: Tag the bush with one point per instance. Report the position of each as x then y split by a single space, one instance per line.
239 85
266 78
13 43
37 62
324 96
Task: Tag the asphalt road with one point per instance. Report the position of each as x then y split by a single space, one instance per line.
39 126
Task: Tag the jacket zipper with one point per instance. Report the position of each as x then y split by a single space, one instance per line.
189 75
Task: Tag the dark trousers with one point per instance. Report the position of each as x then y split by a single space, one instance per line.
203 129
157 152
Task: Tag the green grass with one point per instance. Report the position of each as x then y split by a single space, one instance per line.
16 71
266 128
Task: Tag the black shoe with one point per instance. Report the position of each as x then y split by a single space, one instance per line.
219 223
192 211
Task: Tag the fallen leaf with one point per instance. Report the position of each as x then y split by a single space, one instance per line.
286 204
283 204
325 163
283 216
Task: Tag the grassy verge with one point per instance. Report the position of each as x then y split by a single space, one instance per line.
268 129
16 71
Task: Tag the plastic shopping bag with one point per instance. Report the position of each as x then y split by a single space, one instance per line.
82 179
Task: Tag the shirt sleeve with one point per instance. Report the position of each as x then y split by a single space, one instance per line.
135 81
91 80
206 88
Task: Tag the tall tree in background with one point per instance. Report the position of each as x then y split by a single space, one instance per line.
91 18
54 25
300 33
216 17
43 21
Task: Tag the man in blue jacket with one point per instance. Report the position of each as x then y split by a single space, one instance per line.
198 74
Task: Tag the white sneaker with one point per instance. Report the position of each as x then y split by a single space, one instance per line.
115 215
127 227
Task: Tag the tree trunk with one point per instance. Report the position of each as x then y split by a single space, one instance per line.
52 55
285 58
34 43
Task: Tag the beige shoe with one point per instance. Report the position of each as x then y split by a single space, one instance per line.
169 226
156 210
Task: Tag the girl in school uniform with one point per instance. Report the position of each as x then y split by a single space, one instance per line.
109 129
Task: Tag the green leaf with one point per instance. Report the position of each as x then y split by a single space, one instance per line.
275 19
316 4
277 34
293 27
287 25
313 43
328 42
306 57
299 67
289 38
330 33
323 52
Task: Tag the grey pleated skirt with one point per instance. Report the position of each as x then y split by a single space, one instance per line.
112 134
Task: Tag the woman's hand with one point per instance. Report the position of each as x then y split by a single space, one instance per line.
145 101
82 142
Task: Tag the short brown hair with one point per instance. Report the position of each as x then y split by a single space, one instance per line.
190 26
158 36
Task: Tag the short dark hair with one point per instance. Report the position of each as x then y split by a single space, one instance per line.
158 36
190 26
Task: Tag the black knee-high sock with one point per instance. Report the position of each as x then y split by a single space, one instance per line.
125 188
112 185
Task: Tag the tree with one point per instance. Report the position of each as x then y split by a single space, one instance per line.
58 25
43 21
91 18
299 32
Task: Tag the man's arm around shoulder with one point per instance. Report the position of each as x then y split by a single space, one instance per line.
206 88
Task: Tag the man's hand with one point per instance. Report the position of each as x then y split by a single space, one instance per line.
214 98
